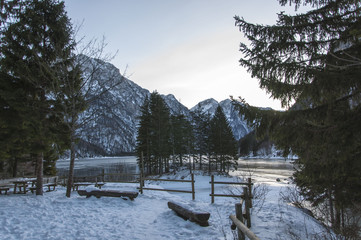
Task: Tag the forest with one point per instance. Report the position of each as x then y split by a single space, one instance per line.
164 140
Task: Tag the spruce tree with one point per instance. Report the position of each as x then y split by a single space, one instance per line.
201 130
181 137
223 144
143 147
160 131
36 55
312 60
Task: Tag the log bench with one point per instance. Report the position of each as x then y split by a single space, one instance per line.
108 193
199 217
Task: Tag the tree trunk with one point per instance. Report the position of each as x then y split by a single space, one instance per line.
209 164
39 174
200 161
71 170
15 167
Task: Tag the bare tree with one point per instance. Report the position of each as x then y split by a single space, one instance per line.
91 61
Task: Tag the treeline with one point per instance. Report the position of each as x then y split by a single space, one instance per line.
164 140
250 145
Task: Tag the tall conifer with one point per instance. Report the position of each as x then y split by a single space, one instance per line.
312 60
36 56
223 144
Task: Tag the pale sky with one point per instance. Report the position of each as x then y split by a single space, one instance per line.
188 48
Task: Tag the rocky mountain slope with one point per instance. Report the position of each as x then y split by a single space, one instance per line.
237 123
111 119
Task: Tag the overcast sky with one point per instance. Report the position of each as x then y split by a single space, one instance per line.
189 48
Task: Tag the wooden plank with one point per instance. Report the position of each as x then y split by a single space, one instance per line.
232 183
167 190
225 195
243 228
108 193
166 180
199 217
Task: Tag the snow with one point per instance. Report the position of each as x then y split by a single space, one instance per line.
53 216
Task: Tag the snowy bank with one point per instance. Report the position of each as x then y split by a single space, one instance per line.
53 216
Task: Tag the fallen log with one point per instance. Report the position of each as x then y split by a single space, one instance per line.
199 217
107 193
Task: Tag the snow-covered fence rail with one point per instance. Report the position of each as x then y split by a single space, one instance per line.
141 188
248 184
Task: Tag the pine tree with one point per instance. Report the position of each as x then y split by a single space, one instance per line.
223 144
36 54
143 137
160 131
154 132
312 60
181 137
201 129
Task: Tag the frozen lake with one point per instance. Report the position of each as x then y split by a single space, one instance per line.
96 166
266 169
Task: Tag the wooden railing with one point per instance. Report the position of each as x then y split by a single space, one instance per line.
141 188
212 182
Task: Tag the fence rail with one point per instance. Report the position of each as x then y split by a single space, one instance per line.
212 182
141 188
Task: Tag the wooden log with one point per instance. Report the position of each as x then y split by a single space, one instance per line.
243 228
199 217
108 193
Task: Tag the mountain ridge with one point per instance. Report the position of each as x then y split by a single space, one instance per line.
112 129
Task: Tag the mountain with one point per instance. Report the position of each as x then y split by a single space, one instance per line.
111 119
238 124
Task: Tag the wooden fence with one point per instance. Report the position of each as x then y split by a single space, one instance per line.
248 184
141 188
119 177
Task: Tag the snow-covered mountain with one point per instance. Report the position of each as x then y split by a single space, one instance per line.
112 118
238 124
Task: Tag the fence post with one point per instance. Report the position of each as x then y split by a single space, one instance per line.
250 192
212 186
239 216
141 184
247 204
193 190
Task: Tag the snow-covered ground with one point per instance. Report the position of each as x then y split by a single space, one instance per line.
53 216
